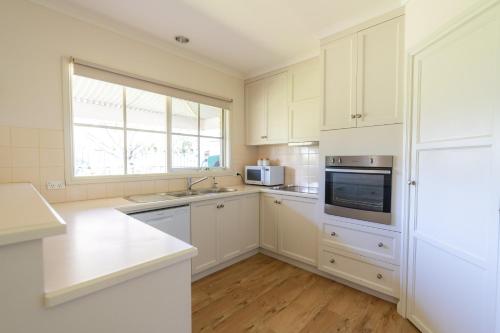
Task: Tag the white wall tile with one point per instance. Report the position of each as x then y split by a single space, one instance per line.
4 136
114 190
96 191
28 175
76 192
51 139
24 137
5 157
5 175
51 157
25 157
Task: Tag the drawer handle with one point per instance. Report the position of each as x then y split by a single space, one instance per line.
333 234
379 276
380 244
332 261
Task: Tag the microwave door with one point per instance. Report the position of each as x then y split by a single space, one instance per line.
254 176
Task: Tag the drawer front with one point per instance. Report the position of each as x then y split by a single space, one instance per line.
369 243
381 277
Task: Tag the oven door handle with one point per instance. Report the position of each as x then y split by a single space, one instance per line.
368 171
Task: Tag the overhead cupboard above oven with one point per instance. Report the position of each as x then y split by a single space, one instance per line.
359 187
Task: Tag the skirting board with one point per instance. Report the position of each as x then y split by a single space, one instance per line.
295 263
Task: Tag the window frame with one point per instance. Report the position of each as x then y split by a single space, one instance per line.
171 173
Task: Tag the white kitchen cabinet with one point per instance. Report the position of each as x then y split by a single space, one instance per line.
266 109
223 229
250 221
297 231
269 222
288 227
304 109
363 77
277 109
204 235
380 74
256 111
339 91
229 221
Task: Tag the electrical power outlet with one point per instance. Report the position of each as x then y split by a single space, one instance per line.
56 185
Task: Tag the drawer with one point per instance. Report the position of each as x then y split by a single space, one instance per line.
368 242
381 277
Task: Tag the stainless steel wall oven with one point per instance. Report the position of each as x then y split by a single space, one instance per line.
359 187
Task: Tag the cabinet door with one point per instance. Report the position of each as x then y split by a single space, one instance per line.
250 222
297 229
256 112
380 74
339 90
229 228
277 108
304 79
204 235
269 222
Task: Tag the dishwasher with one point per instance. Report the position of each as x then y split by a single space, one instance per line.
174 221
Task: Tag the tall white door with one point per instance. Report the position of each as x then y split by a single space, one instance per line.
454 203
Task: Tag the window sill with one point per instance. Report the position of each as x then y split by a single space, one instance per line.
136 178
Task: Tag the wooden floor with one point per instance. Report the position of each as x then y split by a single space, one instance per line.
262 294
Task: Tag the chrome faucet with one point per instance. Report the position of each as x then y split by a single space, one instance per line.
190 182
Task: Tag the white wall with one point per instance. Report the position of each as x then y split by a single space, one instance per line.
33 41
423 17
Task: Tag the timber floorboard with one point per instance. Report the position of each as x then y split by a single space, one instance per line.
262 294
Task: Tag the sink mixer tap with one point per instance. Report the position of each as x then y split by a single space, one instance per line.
190 182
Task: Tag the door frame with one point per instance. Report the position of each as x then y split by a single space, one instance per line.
446 29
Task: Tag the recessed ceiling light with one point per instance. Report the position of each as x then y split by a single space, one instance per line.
182 39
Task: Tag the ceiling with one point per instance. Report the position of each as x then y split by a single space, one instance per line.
245 37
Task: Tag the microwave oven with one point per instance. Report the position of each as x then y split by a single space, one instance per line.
264 175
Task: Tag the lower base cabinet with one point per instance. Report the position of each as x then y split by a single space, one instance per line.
223 229
287 226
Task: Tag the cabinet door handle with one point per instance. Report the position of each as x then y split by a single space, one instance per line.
263 137
379 276
359 116
353 116
332 261
333 234
380 244
279 202
218 205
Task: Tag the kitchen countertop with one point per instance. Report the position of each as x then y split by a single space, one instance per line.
19 224
103 246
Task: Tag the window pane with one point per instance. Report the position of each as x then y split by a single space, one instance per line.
97 102
146 152
146 110
210 153
184 117
98 151
184 151
210 120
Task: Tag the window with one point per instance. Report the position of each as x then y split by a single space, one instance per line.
119 130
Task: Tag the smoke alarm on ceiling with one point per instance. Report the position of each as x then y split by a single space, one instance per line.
182 39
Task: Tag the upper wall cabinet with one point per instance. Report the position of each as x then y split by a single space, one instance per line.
304 83
363 77
266 109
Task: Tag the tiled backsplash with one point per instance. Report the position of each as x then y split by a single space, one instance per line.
301 163
37 155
